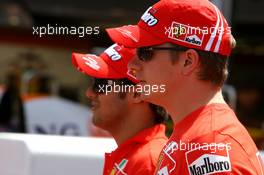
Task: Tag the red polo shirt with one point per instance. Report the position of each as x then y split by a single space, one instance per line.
137 155
210 140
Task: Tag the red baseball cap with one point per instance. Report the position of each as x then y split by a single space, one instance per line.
111 64
197 24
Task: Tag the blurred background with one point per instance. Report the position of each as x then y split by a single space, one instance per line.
41 92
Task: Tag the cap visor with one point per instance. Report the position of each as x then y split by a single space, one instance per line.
93 66
132 36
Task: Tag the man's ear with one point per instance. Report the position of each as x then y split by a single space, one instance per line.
190 62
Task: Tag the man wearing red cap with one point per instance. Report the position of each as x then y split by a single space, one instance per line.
134 124
185 45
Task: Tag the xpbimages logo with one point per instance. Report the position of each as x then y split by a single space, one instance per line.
112 86
65 30
193 35
201 158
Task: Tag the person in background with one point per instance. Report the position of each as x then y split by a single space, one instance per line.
135 125
12 117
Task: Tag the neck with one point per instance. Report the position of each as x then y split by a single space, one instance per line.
132 124
183 105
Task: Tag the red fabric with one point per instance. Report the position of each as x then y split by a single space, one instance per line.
215 143
138 155
111 64
195 24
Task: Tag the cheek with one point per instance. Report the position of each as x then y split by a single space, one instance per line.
159 72
106 102
111 104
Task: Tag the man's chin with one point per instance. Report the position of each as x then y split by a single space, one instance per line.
96 121
99 122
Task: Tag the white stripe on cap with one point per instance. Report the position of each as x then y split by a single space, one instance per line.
216 50
211 40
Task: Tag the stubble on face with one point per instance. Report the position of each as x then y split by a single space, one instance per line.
109 112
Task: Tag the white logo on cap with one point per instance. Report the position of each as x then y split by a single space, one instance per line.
185 33
92 63
148 18
113 53
194 39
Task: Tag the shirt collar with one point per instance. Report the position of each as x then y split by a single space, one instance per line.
157 131
182 126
